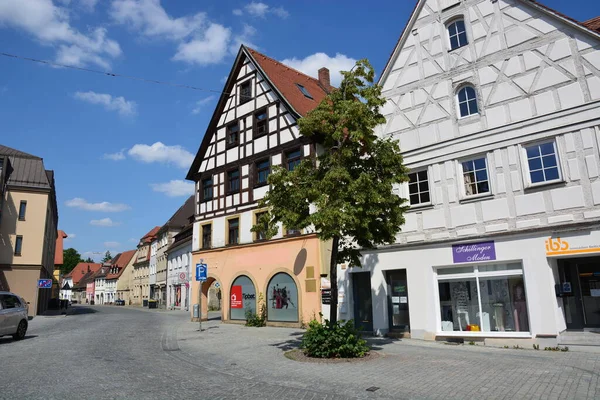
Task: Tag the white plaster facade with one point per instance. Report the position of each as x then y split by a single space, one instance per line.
152 268
537 80
179 266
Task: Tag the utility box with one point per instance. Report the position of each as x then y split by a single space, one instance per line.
196 311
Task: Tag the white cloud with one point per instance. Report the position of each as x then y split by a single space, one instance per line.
112 245
49 24
210 47
119 155
199 41
260 10
104 206
110 103
310 65
199 105
245 38
159 152
70 236
174 188
107 222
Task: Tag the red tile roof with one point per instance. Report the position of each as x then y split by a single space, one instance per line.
148 237
58 253
121 262
593 24
285 78
81 269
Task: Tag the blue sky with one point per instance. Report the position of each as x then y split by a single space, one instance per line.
120 149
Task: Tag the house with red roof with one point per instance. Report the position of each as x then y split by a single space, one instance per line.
72 278
117 267
253 129
141 268
58 262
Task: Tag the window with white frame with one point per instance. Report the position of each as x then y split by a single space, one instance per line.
467 101
418 188
542 163
475 177
457 34
486 298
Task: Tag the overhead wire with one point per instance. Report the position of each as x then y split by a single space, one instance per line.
111 74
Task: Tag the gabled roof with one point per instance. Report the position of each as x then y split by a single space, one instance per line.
182 237
180 219
121 261
282 78
81 269
101 273
589 27
593 24
9 151
148 237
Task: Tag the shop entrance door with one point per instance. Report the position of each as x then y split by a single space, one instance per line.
398 301
580 281
363 303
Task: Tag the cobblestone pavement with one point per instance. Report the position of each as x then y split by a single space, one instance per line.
107 352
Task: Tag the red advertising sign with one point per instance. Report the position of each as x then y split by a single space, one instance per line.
236 297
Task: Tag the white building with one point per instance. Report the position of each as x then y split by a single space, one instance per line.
179 266
100 285
496 105
117 266
152 270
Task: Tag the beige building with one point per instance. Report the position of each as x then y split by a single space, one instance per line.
125 281
141 268
28 226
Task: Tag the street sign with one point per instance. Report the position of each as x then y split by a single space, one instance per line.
201 272
217 285
182 277
44 284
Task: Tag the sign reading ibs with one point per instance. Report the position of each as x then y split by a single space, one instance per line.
236 297
576 245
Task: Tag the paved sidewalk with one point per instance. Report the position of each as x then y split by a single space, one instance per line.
407 368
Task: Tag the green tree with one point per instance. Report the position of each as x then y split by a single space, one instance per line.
89 260
107 257
71 258
346 194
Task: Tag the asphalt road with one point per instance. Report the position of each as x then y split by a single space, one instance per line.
108 352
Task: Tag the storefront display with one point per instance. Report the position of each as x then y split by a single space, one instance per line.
243 298
282 299
487 298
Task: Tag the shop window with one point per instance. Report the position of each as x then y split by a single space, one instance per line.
467 101
245 92
418 188
282 299
542 161
457 34
293 159
490 298
242 299
207 189
475 177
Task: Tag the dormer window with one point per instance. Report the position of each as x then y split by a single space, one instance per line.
245 92
457 34
467 101
233 134
304 91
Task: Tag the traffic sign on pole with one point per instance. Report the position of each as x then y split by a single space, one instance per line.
201 272
44 284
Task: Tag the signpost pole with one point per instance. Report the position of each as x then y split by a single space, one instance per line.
200 304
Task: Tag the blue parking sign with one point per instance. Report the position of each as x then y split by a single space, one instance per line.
201 272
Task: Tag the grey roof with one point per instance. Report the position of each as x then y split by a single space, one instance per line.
181 217
28 170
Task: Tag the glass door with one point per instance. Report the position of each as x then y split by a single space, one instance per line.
363 303
398 300
589 283
571 295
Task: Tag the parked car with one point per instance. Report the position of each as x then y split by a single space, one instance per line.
119 302
13 315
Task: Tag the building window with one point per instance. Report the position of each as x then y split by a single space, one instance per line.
282 299
242 298
233 178
260 123
467 101
234 231
206 236
487 298
457 34
245 92
542 160
233 134
304 91
22 210
475 177
207 189
263 168
292 232
262 234
418 188
293 158
18 245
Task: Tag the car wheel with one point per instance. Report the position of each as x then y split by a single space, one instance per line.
21 331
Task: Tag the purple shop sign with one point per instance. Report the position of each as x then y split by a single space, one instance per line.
469 252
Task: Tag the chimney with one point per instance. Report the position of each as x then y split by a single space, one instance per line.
88 268
324 78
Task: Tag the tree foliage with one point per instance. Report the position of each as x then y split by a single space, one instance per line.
89 260
346 194
107 257
71 258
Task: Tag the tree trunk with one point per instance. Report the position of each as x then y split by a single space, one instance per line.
333 278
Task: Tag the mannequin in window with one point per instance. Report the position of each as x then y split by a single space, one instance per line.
520 308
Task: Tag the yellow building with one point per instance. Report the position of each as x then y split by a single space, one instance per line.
28 222
141 268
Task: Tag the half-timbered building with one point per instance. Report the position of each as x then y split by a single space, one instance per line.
496 106
254 128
